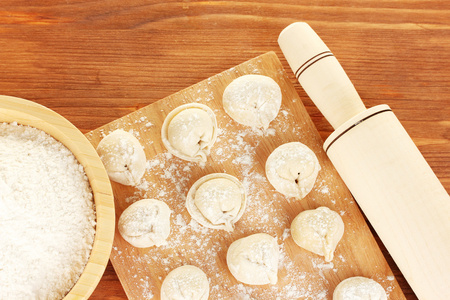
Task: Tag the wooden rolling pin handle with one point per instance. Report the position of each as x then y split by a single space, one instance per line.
386 173
320 74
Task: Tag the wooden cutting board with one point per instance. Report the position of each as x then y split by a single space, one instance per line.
240 151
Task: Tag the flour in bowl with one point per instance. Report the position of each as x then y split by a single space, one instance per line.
47 216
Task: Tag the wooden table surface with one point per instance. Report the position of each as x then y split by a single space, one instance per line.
94 61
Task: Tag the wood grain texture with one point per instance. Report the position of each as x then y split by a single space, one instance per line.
96 61
242 152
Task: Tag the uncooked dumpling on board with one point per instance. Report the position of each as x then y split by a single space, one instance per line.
318 230
292 169
216 201
189 131
123 157
252 100
359 288
185 283
254 259
145 223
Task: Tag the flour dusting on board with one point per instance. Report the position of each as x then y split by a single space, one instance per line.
240 151
198 245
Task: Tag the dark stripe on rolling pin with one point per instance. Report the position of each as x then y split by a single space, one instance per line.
356 124
312 61
309 61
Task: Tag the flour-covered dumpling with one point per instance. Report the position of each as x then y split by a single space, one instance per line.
189 132
254 259
216 201
252 100
185 283
318 230
292 169
123 157
359 288
145 223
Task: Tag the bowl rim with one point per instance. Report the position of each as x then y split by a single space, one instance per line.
25 112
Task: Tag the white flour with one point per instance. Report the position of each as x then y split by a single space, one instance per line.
47 218
198 245
238 151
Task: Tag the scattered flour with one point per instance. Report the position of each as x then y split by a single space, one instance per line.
322 267
191 243
286 233
47 218
324 190
235 151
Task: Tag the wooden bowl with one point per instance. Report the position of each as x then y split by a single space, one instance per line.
25 112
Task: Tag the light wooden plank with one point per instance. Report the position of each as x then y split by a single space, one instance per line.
241 152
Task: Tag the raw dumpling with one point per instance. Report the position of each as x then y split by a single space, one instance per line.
254 259
318 230
359 288
292 169
145 223
185 283
123 157
189 131
216 201
252 100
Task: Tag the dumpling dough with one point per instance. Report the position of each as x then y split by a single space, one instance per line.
359 288
252 100
292 169
123 157
254 259
189 132
318 230
185 283
145 223
216 201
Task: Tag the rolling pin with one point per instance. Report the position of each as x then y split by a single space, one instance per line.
389 178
